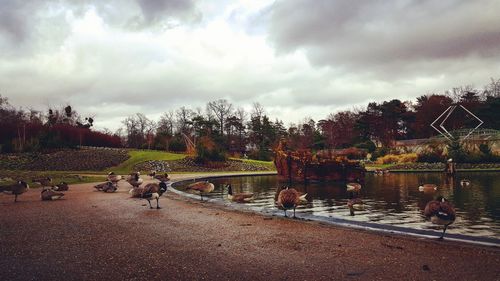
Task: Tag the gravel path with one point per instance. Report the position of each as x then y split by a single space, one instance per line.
96 236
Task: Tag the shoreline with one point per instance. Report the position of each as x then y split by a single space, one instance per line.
92 235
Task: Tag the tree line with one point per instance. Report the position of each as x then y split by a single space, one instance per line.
230 129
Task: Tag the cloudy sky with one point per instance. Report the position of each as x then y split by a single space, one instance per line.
297 58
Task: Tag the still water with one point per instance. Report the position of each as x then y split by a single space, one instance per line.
391 199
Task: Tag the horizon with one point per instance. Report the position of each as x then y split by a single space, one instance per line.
297 60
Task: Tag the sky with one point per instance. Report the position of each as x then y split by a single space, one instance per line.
299 59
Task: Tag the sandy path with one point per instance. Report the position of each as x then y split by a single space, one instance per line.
95 236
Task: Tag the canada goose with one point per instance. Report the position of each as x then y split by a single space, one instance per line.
353 187
238 197
288 198
202 187
49 194
112 177
302 196
15 189
427 188
153 191
106 187
354 204
163 177
134 179
441 212
63 186
47 181
152 174
465 182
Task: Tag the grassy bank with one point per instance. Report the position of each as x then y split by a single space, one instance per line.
139 156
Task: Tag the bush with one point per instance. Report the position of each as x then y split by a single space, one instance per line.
379 152
430 157
368 145
207 151
402 158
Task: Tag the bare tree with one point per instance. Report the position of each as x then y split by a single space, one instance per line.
221 109
183 118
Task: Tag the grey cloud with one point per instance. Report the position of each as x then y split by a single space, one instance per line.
376 34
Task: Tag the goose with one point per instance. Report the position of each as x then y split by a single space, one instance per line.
441 212
152 174
427 188
302 196
112 177
354 204
288 198
238 197
353 187
465 182
106 187
49 194
15 189
201 187
161 178
63 186
153 191
134 180
47 181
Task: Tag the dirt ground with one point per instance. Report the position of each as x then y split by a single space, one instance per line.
96 236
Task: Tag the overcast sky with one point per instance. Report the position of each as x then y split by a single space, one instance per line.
297 58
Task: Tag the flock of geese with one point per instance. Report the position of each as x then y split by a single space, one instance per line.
439 211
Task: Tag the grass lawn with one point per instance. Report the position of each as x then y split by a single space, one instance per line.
139 156
373 166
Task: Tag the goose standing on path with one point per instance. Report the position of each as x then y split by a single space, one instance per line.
134 179
113 178
15 189
201 187
153 191
238 197
288 198
441 212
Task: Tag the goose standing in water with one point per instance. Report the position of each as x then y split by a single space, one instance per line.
353 187
441 212
238 197
289 198
354 204
201 187
464 183
427 188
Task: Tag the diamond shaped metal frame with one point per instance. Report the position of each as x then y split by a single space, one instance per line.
443 131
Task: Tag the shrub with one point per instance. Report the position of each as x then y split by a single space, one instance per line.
430 157
177 145
393 158
207 151
368 145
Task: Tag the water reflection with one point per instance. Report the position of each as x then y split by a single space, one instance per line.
389 199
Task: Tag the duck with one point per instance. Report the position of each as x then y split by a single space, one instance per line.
353 187
49 194
112 177
289 198
46 181
152 191
238 197
441 212
134 179
201 187
106 187
63 186
354 204
464 182
427 188
15 189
